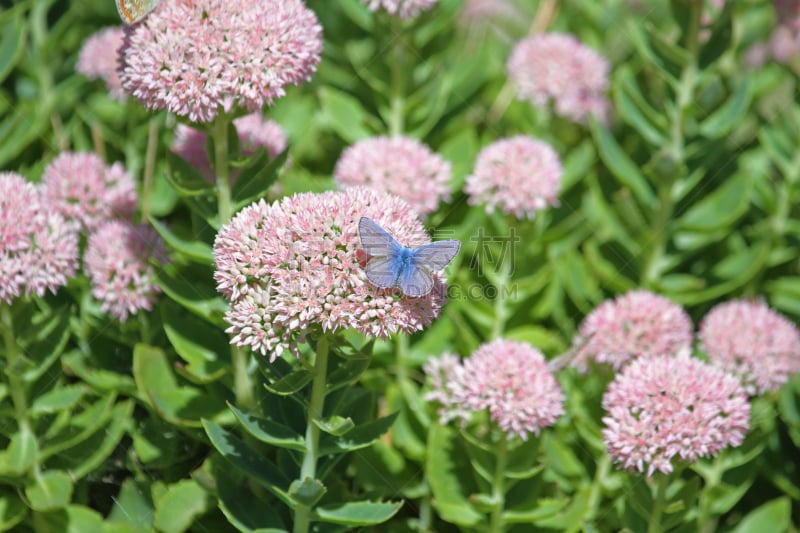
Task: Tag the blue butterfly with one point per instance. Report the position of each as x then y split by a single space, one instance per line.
395 265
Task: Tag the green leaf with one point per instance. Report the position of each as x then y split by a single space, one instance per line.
634 108
345 114
99 379
58 399
22 453
348 371
248 460
307 492
185 178
257 177
335 425
49 491
545 508
291 383
357 513
71 519
180 505
240 506
721 208
361 436
655 51
729 115
270 431
621 166
720 40
205 349
133 505
80 427
12 510
774 515
200 299
445 478
12 41
192 249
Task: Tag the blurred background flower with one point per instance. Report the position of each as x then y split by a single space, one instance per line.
99 59
404 8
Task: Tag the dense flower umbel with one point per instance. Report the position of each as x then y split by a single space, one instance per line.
99 58
296 265
405 8
519 175
558 67
398 165
752 342
636 324
38 247
82 188
196 58
254 132
661 407
509 379
117 262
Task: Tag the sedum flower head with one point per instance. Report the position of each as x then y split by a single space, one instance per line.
297 265
81 187
753 342
38 247
636 324
557 67
99 59
519 176
398 165
117 261
196 58
660 408
253 130
406 9
509 379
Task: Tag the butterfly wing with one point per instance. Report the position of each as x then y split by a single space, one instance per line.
436 255
384 271
376 240
416 281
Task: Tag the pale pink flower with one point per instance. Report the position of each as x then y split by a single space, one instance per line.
38 248
406 9
117 261
479 16
788 13
753 342
99 59
520 175
297 266
81 187
557 67
508 379
398 165
634 325
253 130
665 408
200 57
784 43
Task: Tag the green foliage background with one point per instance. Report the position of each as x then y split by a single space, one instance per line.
690 192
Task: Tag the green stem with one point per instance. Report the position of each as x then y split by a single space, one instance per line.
242 384
219 134
149 167
501 311
398 75
14 364
498 488
684 98
659 503
308 470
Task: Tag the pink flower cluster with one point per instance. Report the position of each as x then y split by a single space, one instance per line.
508 379
558 67
116 260
253 130
99 59
398 165
38 246
196 58
753 342
634 325
520 175
297 266
406 9
663 408
81 187
784 43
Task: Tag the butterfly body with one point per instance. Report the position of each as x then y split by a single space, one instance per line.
131 11
395 265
